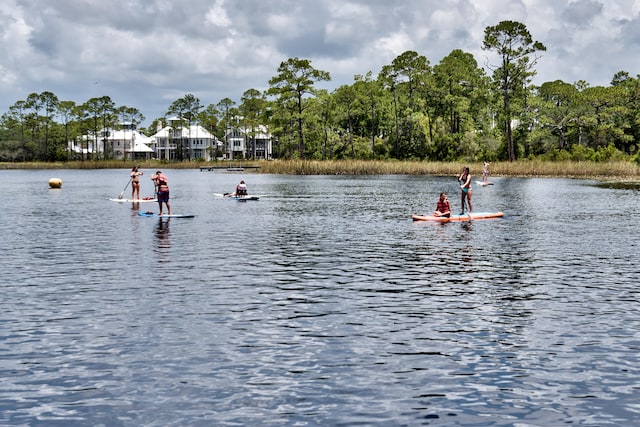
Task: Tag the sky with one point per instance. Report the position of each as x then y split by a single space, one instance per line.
148 53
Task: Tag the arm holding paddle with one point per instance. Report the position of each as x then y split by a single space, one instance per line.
124 189
162 183
135 182
241 191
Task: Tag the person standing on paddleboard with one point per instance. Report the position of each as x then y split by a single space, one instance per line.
443 207
465 185
135 182
162 187
485 171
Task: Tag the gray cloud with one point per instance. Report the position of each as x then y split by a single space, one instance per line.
582 13
147 53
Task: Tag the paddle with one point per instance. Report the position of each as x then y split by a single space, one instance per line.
125 188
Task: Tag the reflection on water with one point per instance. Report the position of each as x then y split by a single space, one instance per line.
162 233
321 304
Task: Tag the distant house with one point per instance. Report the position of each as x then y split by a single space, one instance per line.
123 143
246 143
181 141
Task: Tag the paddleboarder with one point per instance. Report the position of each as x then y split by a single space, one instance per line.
241 189
443 207
135 182
465 185
162 187
485 171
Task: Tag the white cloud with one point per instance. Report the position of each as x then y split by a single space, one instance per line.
147 53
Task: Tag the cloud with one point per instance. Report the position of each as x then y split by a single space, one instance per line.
147 53
582 13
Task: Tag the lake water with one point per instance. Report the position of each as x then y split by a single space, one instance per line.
321 304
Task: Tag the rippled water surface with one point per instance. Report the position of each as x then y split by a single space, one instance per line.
321 304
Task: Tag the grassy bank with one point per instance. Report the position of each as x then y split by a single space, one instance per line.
526 168
100 164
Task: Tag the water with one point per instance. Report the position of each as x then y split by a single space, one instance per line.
321 304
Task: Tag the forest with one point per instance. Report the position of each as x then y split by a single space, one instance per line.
410 110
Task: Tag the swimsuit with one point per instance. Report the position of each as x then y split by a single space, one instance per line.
442 206
163 196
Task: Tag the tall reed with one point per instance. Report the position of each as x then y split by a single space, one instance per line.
618 169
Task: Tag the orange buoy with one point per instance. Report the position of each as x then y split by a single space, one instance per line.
55 183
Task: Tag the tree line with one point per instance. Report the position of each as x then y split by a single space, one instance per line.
450 111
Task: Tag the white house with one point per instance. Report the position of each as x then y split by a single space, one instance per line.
247 143
123 143
181 141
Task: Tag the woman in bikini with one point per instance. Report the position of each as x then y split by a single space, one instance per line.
465 185
135 182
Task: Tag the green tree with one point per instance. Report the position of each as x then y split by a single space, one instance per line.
34 104
49 104
514 45
346 102
558 108
294 81
631 101
459 97
208 118
252 109
66 111
405 78
92 113
185 108
370 93
603 110
227 110
15 118
128 116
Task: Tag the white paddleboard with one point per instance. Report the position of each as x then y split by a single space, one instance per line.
229 196
134 200
153 214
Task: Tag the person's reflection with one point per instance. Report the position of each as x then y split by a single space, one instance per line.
162 233
135 206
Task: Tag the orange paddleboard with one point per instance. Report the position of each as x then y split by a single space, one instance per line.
464 217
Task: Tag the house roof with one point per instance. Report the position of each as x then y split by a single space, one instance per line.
139 140
141 147
193 131
259 132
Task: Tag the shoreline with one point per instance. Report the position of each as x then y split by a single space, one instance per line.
614 170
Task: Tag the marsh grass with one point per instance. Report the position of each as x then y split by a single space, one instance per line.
525 168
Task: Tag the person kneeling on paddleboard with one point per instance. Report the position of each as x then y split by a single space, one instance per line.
241 189
162 189
443 207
